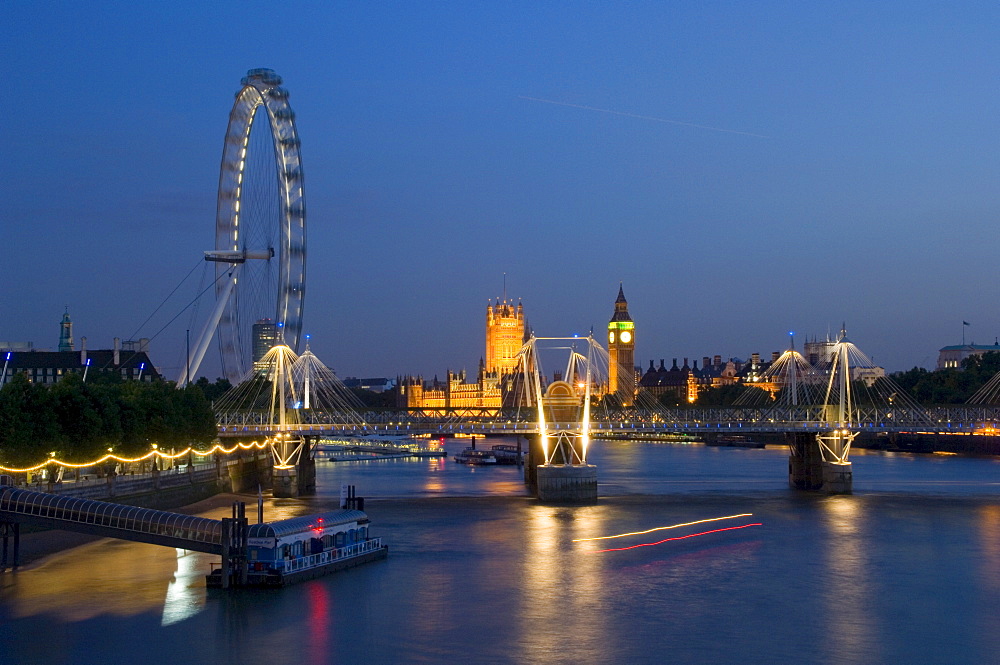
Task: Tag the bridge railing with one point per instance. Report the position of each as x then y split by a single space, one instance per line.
774 418
106 518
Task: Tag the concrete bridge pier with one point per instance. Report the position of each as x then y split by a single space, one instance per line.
285 482
534 458
805 461
838 477
571 483
307 468
559 481
10 554
298 479
808 470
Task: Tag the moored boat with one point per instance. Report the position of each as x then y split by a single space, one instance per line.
477 457
506 454
300 548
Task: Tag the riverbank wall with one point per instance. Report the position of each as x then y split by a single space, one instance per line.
169 488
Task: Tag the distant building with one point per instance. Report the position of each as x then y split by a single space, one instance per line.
685 382
951 357
453 393
498 370
818 352
130 362
66 332
17 347
47 367
265 336
376 385
504 337
658 381
621 351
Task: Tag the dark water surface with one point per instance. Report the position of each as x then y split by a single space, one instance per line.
906 570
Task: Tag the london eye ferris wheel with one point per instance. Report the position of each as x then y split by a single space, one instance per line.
260 240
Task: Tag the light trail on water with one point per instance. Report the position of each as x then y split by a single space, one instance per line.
667 540
663 528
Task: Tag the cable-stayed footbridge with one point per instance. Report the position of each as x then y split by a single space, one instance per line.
293 401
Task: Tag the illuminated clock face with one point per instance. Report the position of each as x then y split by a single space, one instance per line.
625 337
611 337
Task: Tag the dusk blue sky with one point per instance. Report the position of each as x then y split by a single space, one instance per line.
857 181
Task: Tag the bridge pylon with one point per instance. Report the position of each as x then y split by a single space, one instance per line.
293 400
557 468
823 464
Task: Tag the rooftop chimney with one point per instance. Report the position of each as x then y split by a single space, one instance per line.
118 347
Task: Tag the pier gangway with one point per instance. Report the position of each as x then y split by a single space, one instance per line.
99 518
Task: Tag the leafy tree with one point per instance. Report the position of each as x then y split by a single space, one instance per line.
949 386
213 391
80 421
670 399
374 400
196 414
81 424
721 395
28 426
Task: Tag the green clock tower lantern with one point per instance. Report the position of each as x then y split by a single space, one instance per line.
621 348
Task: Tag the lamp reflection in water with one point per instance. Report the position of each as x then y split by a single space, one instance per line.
989 571
564 594
53 584
319 621
848 591
186 591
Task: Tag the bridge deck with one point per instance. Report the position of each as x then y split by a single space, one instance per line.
100 518
776 419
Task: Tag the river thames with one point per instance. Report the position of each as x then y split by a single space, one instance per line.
905 570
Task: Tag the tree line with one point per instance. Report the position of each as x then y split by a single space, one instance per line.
80 421
930 388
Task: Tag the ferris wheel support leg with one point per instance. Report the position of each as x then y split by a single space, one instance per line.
201 347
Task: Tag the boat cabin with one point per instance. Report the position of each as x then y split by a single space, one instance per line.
275 544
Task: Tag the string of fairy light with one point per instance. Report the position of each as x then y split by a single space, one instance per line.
155 452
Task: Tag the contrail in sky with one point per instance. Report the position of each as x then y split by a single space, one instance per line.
641 117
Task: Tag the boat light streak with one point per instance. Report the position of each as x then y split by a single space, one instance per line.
662 528
667 540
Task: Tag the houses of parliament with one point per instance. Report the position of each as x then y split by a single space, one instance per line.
499 374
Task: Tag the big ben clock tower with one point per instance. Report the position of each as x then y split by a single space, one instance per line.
621 348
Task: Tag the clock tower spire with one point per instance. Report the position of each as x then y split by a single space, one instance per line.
621 349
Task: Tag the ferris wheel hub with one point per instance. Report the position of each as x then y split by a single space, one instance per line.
238 255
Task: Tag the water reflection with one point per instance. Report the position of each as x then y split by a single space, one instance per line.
320 620
845 589
884 577
564 594
186 591
119 578
989 574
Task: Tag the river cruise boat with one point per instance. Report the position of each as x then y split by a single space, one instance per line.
506 454
301 548
477 457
